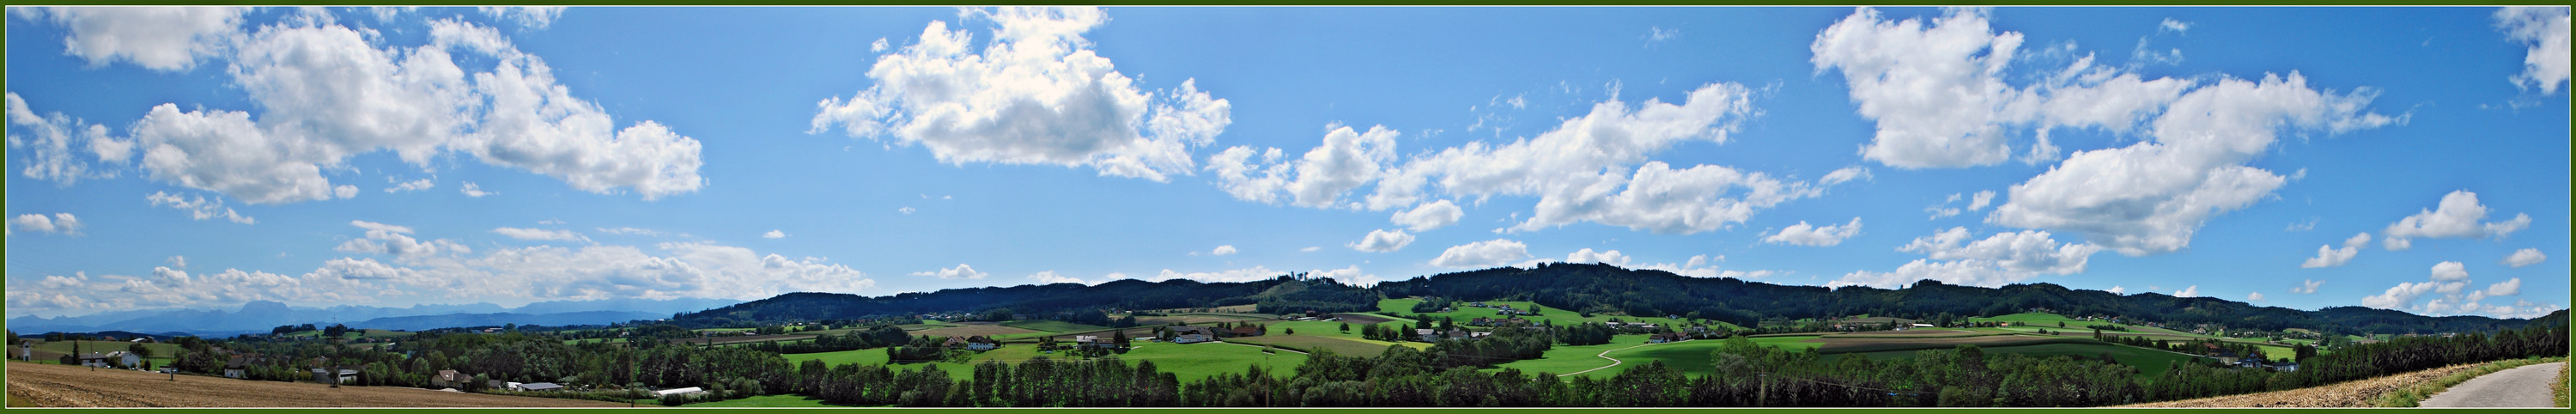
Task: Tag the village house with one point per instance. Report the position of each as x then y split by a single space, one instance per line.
448 378
981 343
537 386
1093 341
954 342
237 367
1427 335
347 376
1191 338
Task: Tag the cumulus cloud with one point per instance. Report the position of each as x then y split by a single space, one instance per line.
2544 31
2190 172
158 38
2525 257
1983 199
63 223
531 16
2116 290
327 93
1429 216
540 234
962 271
476 191
1803 234
413 185
53 146
1382 241
1036 93
2254 297
2307 286
774 234
2448 290
2328 256
1050 277
2189 292
2173 26
2459 216
1347 160
198 207
1844 174
1950 257
1487 253
1222 250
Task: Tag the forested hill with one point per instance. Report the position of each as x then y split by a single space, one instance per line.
1037 299
1604 288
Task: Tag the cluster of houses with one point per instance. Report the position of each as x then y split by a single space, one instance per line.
114 359
1186 334
1504 309
1435 335
972 343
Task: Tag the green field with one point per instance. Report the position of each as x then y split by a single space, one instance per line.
1563 359
1339 346
1795 343
162 354
789 400
1053 326
1464 313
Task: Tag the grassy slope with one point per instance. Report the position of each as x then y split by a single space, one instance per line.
1392 307
1563 359
1053 326
764 401
1190 362
2150 363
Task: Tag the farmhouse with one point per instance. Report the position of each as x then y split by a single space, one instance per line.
540 386
1427 335
1191 339
1189 330
1092 340
448 378
237 367
347 376
981 343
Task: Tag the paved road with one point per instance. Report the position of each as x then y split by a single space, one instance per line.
2525 386
1613 361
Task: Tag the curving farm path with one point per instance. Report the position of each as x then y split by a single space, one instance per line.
2524 386
1615 361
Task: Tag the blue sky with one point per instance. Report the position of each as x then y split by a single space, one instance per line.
2401 158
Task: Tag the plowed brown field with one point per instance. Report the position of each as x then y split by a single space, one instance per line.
42 385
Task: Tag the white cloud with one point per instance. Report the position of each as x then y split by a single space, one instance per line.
1035 94
629 231
2525 257
2459 217
2116 290
158 38
198 207
2189 292
1658 34
2450 271
63 223
1580 170
1429 216
2544 31
1382 241
1050 277
49 150
476 191
1346 160
345 191
540 234
397 240
1994 261
2505 288
2150 197
2307 286
1487 253
2254 297
2327 256
1804 235
774 234
328 94
905 210
531 16
179 262
1844 174
1233 275
962 271
878 46
2173 26
413 185
1983 199
1613 257
1223 250
1311 249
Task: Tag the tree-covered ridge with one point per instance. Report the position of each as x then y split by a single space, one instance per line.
1605 288
1034 300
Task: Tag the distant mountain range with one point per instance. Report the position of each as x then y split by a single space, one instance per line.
261 316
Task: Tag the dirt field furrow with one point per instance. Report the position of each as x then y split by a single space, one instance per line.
41 385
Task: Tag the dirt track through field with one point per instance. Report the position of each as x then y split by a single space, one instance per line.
41 385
